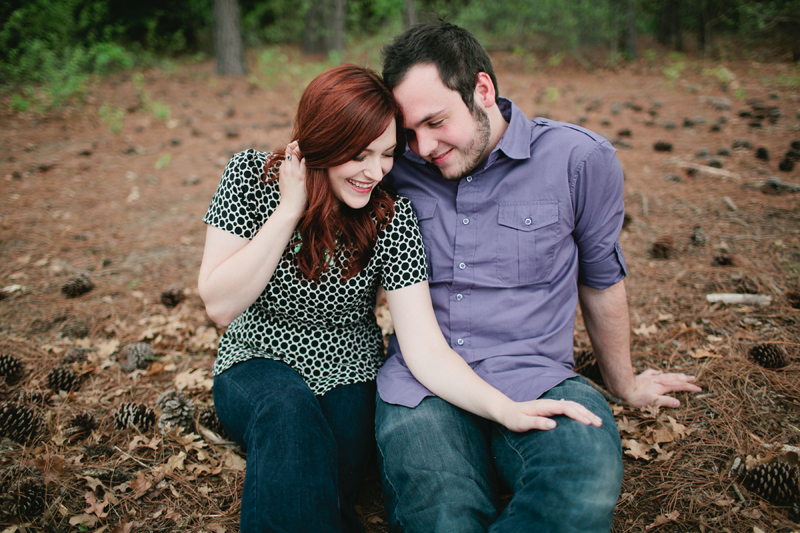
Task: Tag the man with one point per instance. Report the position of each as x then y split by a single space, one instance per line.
520 220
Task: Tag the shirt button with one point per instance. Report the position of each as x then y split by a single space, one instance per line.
528 222
465 221
460 342
459 297
469 179
462 266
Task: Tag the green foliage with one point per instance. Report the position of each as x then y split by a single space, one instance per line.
163 161
113 117
160 110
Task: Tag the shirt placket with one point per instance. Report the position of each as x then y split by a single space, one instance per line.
463 266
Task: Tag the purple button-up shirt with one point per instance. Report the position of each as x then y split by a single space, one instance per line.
507 247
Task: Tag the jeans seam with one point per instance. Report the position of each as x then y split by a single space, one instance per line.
510 507
391 486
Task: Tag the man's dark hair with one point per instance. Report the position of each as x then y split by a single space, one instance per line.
457 54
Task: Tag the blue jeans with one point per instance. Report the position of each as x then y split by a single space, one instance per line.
443 469
306 454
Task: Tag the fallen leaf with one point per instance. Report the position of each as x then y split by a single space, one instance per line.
636 449
124 527
714 338
724 502
140 485
662 435
95 506
645 330
193 379
88 520
663 519
627 426
679 428
233 461
662 454
700 353
665 317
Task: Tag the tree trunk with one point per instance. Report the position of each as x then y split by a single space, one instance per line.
228 45
630 30
324 28
410 14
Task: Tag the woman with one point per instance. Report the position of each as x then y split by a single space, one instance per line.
296 248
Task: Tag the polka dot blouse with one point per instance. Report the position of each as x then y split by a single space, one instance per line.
325 330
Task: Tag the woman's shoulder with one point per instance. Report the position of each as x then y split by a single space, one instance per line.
248 167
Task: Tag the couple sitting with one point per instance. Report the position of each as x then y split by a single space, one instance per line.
498 228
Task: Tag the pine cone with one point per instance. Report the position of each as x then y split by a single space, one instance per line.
778 483
176 411
135 356
663 247
81 425
63 378
172 296
75 355
208 418
19 422
27 497
768 355
77 285
11 368
34 397
586 365
134 415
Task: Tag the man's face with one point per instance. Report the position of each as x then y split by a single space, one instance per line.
439 126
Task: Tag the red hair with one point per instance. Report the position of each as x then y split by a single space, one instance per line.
340 113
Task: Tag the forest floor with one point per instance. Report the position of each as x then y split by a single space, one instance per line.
115 188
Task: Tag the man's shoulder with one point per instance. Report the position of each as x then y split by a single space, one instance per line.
545 129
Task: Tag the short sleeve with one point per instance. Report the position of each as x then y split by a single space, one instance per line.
599 212
243 202
402 255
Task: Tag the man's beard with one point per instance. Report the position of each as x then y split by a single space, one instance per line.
473 153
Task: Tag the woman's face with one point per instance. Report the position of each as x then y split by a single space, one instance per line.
352 182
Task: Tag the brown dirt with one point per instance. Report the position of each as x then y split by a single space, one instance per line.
78 198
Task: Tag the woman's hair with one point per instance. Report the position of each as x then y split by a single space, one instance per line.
340 113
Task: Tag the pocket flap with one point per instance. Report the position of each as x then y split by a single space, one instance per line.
528 216
424 206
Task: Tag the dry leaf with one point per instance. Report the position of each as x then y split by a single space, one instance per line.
233 461
95 506
724 502
665 317
662 455
193 379
174 463
679 428
88 520
140 485
124 527
662 435
700 353
636 449
627 426
663 519
645 330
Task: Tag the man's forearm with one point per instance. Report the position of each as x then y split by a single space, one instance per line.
605 314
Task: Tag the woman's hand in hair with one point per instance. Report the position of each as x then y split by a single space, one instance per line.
292 181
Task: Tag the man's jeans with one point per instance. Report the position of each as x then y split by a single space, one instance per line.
306 455
443 469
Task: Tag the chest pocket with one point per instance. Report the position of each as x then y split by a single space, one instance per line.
527 235
425 208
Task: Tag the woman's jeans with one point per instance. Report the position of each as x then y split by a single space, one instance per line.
443 469
306 454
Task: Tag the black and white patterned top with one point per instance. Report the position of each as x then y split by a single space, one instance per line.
325 330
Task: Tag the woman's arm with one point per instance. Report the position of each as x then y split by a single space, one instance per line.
235 271
447 375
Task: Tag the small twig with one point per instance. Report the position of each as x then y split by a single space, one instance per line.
644 204
729 203
131 457
738 492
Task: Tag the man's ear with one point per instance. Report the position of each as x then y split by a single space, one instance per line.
484 90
